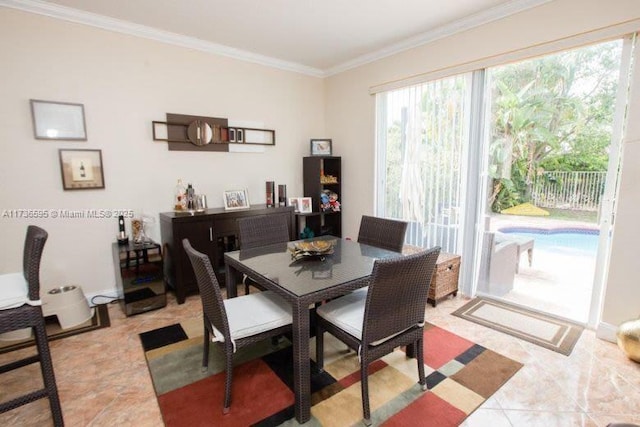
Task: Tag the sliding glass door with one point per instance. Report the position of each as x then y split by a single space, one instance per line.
550 138
476 161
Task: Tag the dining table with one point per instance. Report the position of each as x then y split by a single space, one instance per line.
304 281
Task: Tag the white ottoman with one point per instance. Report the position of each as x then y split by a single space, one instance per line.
68 304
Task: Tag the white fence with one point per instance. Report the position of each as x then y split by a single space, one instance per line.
569 190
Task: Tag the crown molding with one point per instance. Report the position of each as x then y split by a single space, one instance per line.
472 21
125 27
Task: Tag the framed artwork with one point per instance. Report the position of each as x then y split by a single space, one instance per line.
320 147
293 201
304 205
81 169
58 120
236 199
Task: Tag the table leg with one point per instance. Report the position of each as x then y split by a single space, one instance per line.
530 255
231 275
301 365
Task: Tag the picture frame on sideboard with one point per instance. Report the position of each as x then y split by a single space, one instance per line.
304 205
236 199
293 201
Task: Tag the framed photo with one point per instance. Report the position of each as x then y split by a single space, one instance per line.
320 147
58 120
236 199
81 169
304 205
293 201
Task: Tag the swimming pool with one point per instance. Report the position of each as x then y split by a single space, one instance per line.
568 241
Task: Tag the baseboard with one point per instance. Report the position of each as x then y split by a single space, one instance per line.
607 332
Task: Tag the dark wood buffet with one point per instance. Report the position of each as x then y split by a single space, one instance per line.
213 232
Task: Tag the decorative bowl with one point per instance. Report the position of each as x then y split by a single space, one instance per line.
314 248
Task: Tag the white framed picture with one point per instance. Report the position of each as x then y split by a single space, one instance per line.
58 120
293 201
304 205
236 199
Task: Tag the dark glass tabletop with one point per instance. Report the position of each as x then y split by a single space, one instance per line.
349 261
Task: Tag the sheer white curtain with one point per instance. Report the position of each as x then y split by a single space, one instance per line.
422 131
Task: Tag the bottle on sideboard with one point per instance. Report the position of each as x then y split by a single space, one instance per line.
180 199
191 193
282 195
270 189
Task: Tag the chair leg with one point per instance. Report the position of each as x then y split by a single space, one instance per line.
46 366
420 358
228 379
364 383
205 350
319 347
245 280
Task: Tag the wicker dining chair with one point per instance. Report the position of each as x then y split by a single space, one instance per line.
261 230
236 322
382 232
21 308
390 314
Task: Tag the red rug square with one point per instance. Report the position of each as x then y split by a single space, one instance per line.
257 393
354 377
441 346
427 410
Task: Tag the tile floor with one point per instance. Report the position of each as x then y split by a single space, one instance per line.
103 379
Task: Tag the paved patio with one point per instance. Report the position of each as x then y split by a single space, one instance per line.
559 284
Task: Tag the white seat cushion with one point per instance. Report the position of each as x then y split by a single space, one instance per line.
346 312
14 291
254 313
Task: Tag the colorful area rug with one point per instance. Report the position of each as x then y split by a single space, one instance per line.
99 320
461 375
548 332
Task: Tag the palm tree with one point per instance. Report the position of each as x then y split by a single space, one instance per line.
542 109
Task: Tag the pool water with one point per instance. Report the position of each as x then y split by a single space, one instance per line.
568 241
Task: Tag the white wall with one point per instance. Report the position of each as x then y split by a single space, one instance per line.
350 113
124 83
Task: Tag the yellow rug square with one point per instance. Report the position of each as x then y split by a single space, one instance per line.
345 408
458 395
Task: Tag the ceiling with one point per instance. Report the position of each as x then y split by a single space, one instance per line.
317 37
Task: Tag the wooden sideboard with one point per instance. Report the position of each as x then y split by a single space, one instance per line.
213 232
